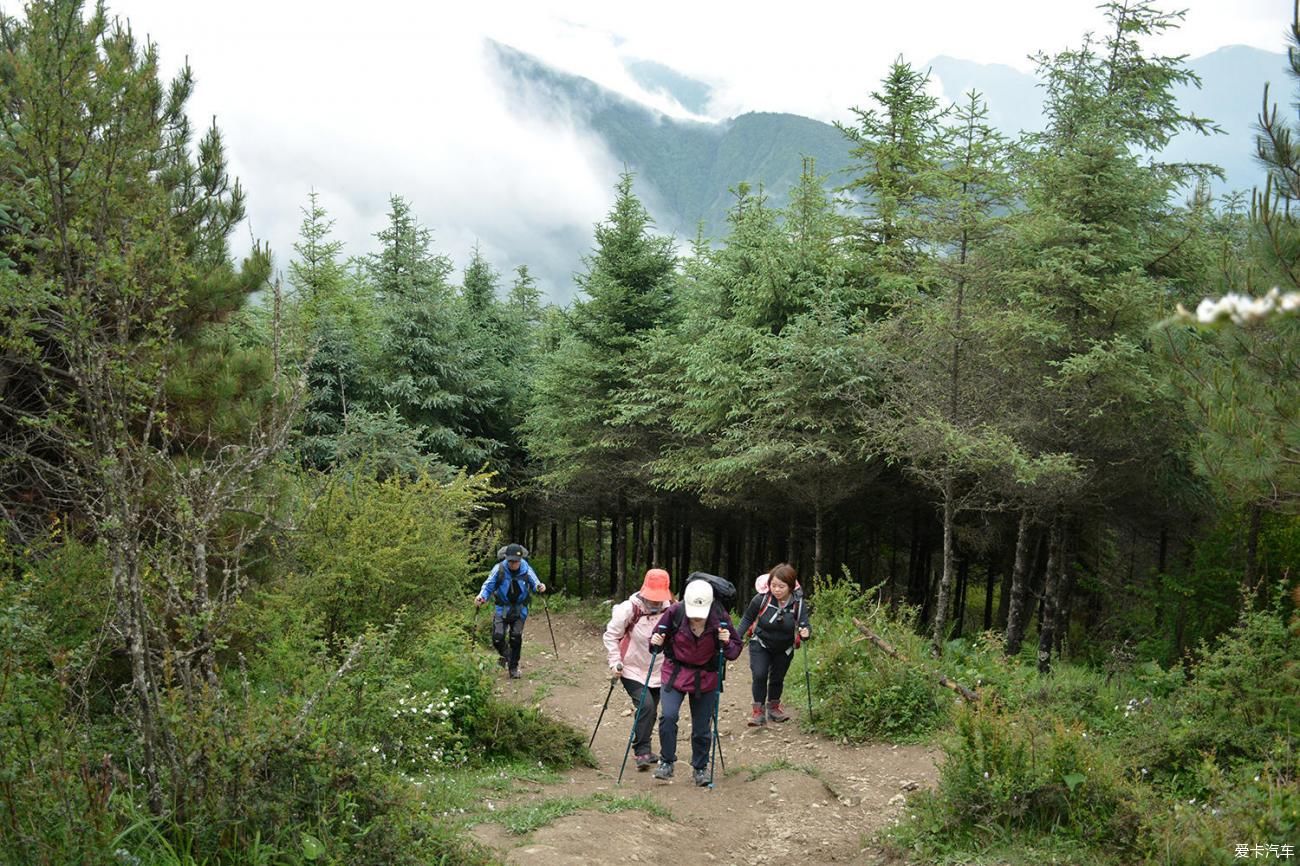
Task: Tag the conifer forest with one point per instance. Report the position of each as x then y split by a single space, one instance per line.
1021 411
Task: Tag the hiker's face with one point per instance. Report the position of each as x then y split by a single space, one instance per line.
697 622
780 589
512 564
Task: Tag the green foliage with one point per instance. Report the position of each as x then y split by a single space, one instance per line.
1011 771
1241 708
628 289
374 546
432 369
861 693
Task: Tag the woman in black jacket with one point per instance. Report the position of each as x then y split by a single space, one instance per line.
779 620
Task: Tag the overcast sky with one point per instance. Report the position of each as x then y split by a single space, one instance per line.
361 100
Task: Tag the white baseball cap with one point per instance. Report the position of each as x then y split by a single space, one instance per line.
698 599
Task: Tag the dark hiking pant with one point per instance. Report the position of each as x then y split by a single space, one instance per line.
509 652
670 706
769 669
645 720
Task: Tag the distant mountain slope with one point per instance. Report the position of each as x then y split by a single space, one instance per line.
684 169
1232 88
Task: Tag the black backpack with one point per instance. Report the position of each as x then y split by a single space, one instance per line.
518 591
724 596
724 591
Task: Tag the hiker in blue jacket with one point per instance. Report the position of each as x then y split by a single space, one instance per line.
509 584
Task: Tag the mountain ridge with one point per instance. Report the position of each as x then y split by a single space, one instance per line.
686 168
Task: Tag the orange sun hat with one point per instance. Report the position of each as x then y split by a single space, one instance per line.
656 586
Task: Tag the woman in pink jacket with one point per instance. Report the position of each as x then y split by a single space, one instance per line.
627 642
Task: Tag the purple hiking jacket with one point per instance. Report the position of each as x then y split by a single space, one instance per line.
690 662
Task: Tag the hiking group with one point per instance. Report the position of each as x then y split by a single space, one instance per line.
695 636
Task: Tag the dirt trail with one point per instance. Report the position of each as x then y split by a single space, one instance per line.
780 817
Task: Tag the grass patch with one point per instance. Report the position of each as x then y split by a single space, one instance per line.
463 791
756 773
527 817
593 612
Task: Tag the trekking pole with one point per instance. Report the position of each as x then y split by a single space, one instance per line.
722 679
473 628
807 681
612 681
645 687
547 609
717 743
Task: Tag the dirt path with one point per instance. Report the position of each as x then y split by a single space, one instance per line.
823 813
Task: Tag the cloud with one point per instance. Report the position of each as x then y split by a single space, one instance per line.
363 109
360 101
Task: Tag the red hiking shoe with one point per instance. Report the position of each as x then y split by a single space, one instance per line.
776 712
757 718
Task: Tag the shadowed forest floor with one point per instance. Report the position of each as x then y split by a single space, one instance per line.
785 796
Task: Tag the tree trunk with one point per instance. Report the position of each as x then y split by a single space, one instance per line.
917 579
939 625
577 525
1004 599
1066 600
620 591
817 541
990 578
1251 579
555 553
615 532
129 600
741 574
715 565
634 554
656 539
893 562
684 564
959 609
1051 598
1017 612
600 550
792 544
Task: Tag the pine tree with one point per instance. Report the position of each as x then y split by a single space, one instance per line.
479 288
897 149
1084 277
626 294
430 364
114 287
941 411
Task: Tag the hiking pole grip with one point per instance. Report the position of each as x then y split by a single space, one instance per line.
631 735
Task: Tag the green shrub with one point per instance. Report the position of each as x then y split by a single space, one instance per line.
1007 772
860 692
1241 708
370 547
1250 805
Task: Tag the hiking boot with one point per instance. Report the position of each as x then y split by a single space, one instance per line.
701 777
514 673
757 717
645 762
776 712
664 771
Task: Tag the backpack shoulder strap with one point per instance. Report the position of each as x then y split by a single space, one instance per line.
767 602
